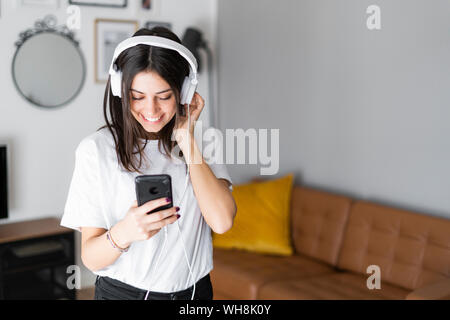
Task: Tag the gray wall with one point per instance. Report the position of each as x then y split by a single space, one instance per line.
362 113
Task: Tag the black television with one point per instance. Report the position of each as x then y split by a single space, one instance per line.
3 182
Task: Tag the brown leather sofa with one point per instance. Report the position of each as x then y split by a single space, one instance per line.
335 239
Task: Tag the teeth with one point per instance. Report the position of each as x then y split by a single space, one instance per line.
152 119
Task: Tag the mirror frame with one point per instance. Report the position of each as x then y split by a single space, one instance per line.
48 25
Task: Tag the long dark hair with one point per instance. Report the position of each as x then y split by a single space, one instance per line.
125 129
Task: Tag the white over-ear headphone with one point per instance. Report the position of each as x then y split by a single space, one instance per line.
189 84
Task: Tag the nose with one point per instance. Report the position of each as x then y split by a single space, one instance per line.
151 109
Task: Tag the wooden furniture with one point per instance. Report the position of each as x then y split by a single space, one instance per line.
34 256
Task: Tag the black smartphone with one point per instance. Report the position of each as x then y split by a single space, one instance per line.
154 186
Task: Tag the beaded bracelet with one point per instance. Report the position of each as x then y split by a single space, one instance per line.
108 236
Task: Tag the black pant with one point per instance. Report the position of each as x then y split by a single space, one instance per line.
111 289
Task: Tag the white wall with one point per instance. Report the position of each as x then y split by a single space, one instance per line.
363 113
42 142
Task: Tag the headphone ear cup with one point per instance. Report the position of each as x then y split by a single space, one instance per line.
184 91
116 83
188 90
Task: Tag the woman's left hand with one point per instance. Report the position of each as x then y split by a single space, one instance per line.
181 124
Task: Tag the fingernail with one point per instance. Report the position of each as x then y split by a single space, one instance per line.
167 199
178 216
178 209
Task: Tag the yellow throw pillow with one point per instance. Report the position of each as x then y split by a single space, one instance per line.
262 222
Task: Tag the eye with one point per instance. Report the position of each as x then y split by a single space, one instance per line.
167 98
133 98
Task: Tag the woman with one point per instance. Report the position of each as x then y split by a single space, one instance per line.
121 243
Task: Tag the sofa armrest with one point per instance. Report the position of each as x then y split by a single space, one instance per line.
436 291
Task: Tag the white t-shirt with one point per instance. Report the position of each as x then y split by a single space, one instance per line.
102 190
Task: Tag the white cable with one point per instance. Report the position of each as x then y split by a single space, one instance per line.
187 260
178 224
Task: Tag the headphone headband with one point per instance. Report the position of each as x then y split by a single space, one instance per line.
189 83
158 42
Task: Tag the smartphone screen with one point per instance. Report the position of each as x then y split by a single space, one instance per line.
151 187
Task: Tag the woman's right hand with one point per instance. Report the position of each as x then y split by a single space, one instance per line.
138 225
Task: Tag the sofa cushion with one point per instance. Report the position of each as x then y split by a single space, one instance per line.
336 286
412 250
318 223
262 222
240 274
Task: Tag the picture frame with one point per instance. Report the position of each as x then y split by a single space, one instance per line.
108 33
101 3
49 4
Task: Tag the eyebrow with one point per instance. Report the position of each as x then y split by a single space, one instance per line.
156 93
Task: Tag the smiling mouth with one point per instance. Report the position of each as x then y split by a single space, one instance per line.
153 120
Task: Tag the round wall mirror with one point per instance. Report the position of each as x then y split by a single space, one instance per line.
48 68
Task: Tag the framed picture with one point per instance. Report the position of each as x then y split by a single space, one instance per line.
50 4
108 34
101 3
151 24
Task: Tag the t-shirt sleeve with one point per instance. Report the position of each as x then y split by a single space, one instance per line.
83 206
